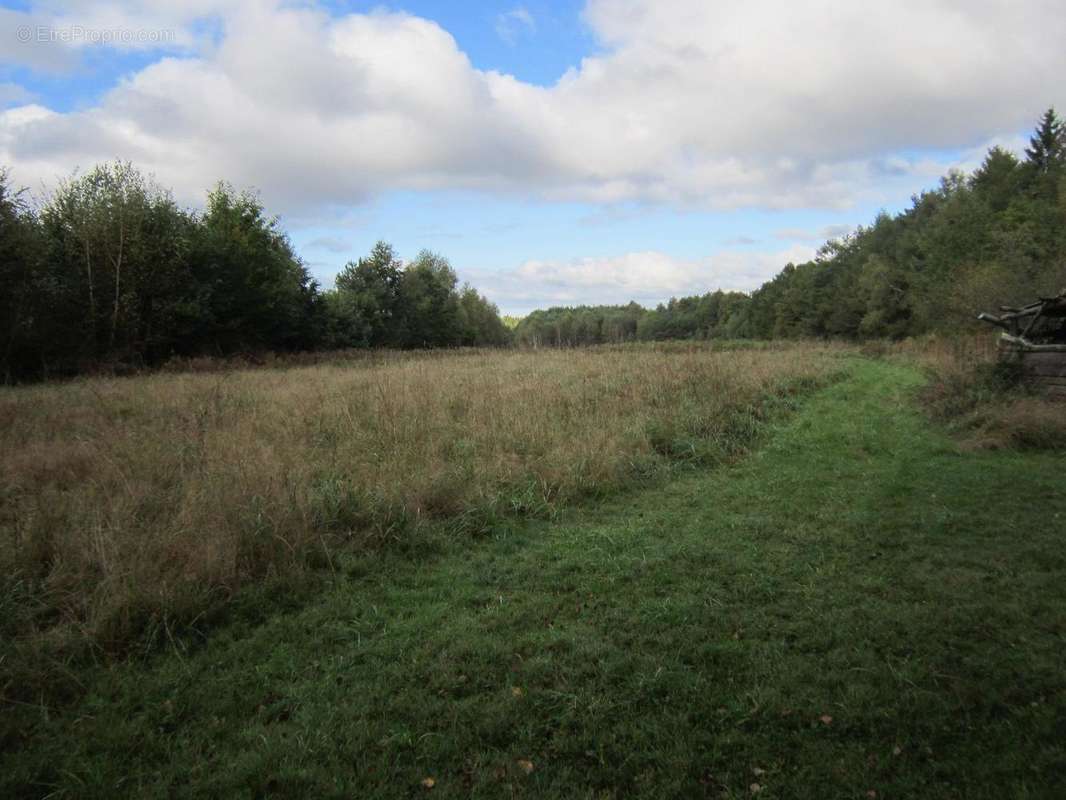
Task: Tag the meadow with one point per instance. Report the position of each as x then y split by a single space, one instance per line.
688 570
133 507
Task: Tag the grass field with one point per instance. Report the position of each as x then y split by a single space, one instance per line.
133 510
861 608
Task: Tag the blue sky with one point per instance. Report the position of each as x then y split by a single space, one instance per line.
555 152
536 46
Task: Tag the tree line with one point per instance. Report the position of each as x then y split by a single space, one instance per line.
109 271
996 236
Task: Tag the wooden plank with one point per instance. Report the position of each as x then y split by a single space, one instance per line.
1044 370
1052 365
1052 387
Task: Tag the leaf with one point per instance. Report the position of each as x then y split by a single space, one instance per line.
525 766
755 788
517 691
826 719
428 783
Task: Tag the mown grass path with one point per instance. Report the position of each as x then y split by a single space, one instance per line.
858 608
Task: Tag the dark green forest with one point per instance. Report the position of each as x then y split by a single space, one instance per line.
109 272
973 243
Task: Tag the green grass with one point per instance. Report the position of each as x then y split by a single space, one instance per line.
859 607
130 508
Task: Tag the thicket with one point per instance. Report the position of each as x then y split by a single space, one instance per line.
109 272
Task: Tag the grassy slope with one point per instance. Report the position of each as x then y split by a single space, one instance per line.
857 608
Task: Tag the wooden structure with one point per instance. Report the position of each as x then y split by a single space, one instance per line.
1035 337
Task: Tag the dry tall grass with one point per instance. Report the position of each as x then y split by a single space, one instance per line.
982 397
142 501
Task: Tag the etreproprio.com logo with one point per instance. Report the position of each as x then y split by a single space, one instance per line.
79 34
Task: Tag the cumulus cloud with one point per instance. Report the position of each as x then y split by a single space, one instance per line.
648 278
692 103
18 45
355 106
53 36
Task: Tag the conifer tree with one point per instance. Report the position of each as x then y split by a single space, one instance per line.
1046 144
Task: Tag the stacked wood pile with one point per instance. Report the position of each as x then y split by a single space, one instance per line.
1035 338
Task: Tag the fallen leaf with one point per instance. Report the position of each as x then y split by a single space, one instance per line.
872 794
755 788
517 691
525 766
897 750
825 718
428 783
758 772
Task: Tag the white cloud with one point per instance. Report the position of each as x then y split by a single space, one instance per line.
693 103
511 24
331 244
53 36
822 234
648 278
18 45
11 93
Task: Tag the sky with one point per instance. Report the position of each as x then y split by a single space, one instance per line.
557 152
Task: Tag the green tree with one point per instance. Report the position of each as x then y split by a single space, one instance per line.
1045 150
366 302
429 303
258 294
117 262
996 181
480 321
22 301
884 291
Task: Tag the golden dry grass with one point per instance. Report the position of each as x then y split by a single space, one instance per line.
129 502
982 397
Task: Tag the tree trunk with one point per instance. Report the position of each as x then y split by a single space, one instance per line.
118 283
92 296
